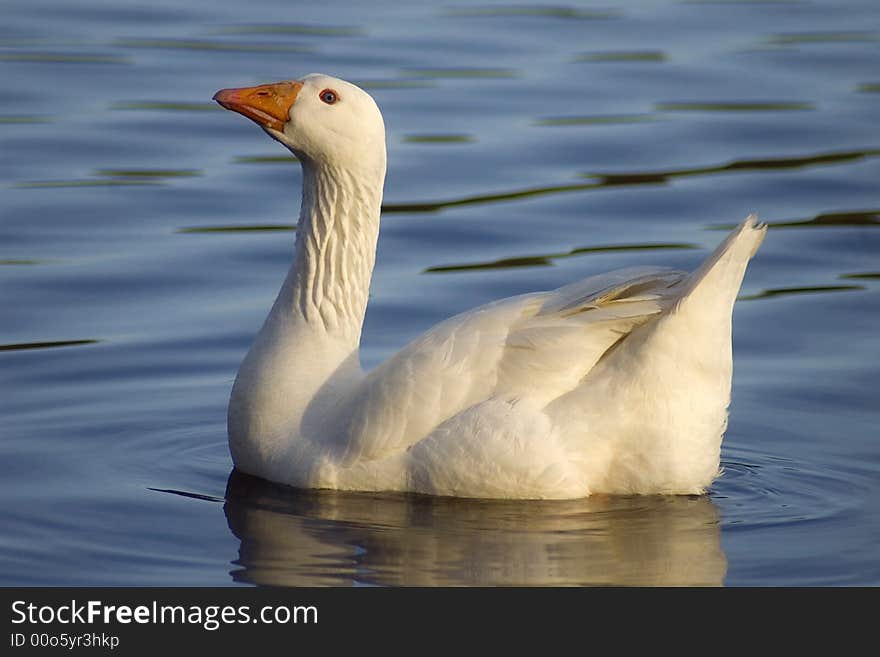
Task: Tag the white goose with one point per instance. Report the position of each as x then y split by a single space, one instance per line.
615 384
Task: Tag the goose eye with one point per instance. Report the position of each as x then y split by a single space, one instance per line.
329 96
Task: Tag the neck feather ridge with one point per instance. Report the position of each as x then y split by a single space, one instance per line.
335 249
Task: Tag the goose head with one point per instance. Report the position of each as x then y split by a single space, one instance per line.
323 120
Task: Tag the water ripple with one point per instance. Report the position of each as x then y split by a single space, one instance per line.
215 46
770 490
266 159
61 58
534 11
291 28
462 73
862 275
798 38
623 56
256 228
824 220
786 291
609 119
174 106
733 106
605 180
295 537
547 259
439 139
22 346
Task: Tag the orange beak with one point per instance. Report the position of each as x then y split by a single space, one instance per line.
268 104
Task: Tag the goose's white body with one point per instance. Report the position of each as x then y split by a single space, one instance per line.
615 384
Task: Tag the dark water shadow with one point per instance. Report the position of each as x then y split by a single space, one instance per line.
547 259
826 219
148 174
748 164
166 106
266 159
61 58
439 139
595 120
659 177
212 46
870 275
788 291
803 38
184 493
22 346
293 537
297 29
623 56
115 178
24 119
534 11
86 182
256 228
709 106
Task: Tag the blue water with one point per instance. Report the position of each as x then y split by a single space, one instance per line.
144 233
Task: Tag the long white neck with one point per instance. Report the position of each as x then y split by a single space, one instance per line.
329 282
306 354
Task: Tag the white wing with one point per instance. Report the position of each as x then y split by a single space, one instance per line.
538 346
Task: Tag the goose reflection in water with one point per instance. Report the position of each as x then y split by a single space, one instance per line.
293 537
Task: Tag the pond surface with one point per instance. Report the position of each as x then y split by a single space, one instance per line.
144 233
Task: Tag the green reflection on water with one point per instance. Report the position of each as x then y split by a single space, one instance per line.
852 218
436 206
623 56
823 37
115 178
24 119
108 182
463 73
281 28
862 275
149 173
869 88
258 228
596 120
220 46
166 106
31 42
733 107
59 58
813 289
534 11
438 139
20 261
547 259
757 164
45 345
265 159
